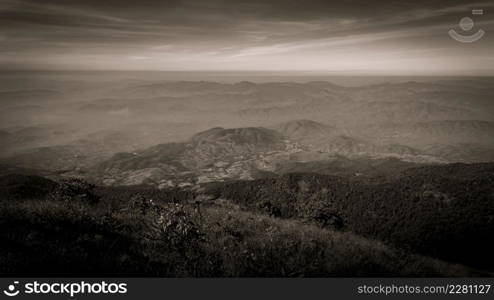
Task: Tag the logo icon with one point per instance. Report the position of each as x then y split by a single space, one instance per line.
466 24
11 290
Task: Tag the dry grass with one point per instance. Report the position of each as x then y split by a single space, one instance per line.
48 237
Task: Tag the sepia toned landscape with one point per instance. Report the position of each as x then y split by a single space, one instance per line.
188 170
348 180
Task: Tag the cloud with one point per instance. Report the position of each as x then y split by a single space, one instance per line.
139 57
185 34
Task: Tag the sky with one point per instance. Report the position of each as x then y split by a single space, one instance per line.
347 37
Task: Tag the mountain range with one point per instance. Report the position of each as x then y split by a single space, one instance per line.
151 132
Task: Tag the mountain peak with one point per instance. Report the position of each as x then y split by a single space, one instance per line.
303 128
245 135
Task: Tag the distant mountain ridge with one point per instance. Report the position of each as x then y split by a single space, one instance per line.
302 129
216 153
220 154
418 122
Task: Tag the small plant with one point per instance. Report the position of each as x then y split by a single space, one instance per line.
321 212
177 229
177 225
142 204
72 189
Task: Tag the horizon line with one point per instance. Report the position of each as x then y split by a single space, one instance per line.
278 72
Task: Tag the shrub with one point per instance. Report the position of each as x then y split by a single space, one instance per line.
177 230
75 189
24 187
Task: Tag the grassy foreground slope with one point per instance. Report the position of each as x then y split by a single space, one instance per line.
440 211
77 229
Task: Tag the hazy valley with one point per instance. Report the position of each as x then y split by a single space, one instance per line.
403 166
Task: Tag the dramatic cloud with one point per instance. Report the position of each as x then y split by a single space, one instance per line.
353 35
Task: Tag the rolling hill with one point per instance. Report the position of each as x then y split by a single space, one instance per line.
442 211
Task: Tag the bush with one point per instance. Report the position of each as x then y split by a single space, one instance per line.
436 211
177 230
127 234
75 189
25 187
